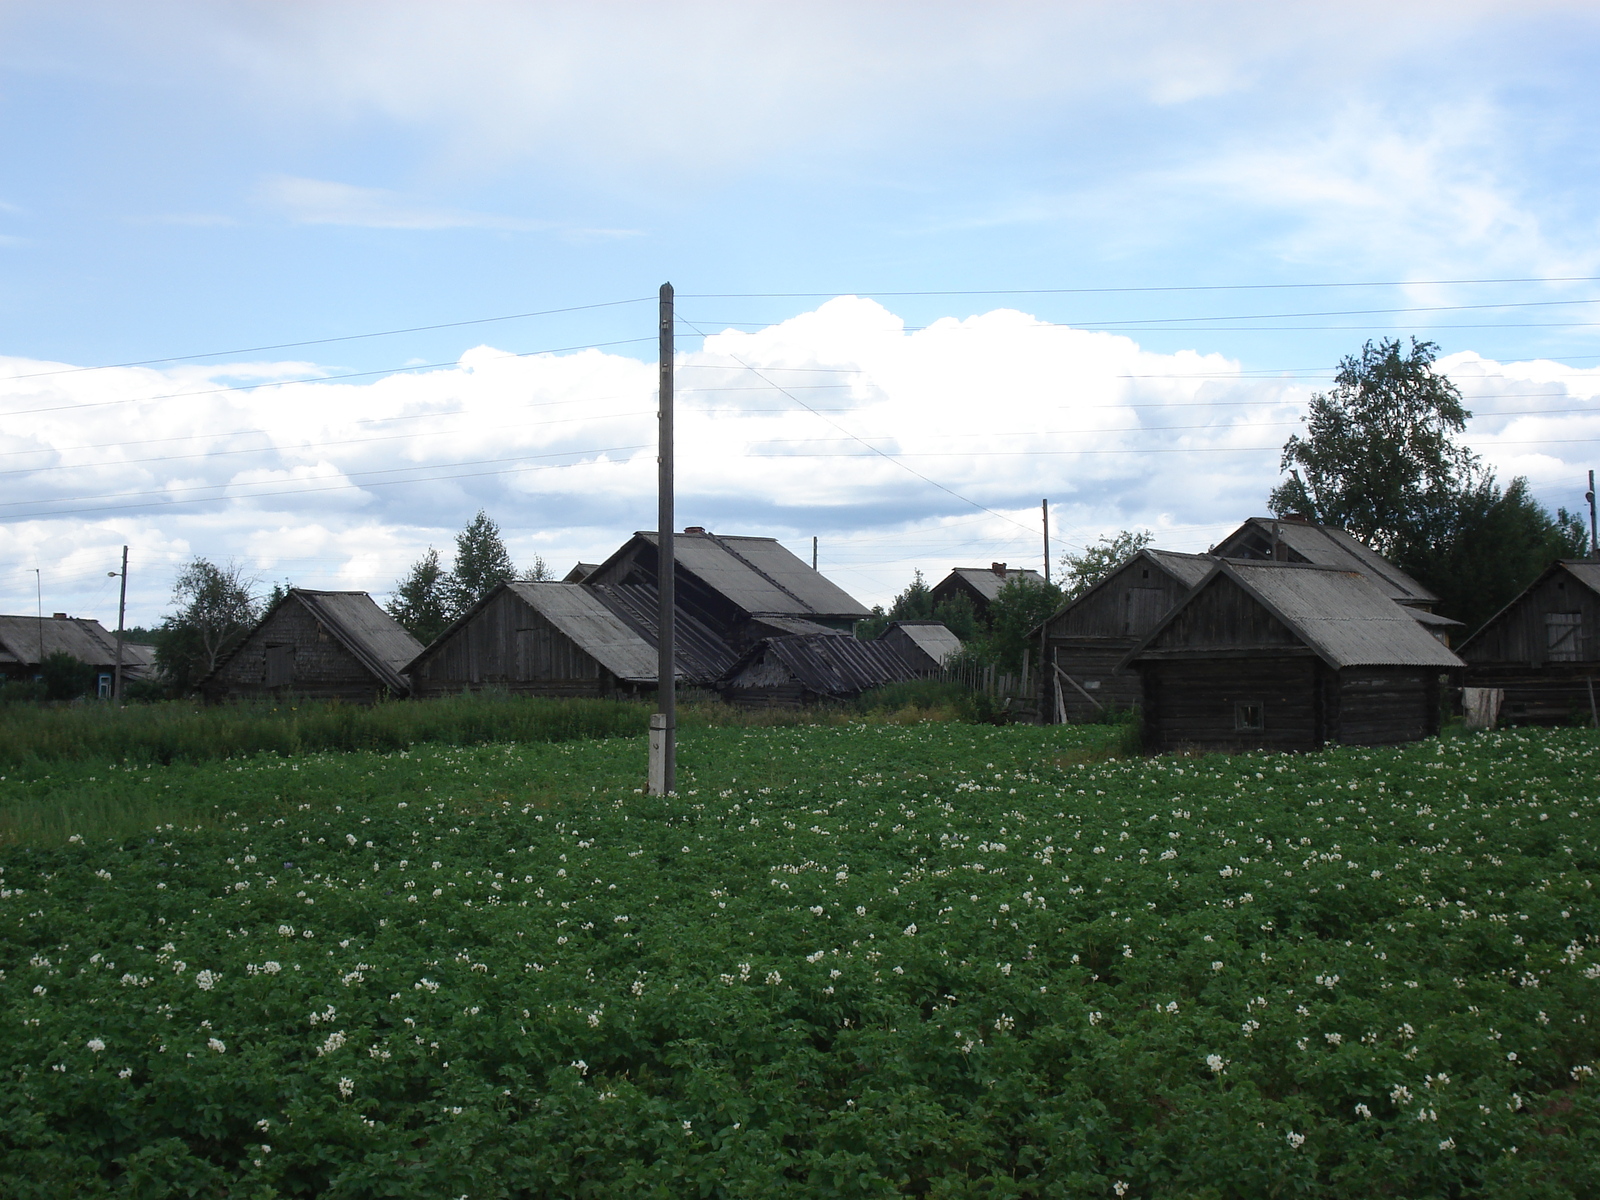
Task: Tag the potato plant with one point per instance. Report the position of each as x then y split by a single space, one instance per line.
843 961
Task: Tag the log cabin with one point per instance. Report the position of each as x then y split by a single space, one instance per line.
1283 656
1083 643
317 645
1543 649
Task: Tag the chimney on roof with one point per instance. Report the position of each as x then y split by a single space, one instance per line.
1297 518
694 528
59 616
999 569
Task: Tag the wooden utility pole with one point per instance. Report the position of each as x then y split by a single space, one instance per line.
1044 510
38 587
664 723
813 552
1594 534
122 613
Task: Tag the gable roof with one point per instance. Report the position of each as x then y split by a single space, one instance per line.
1187 569
378 641
1338 614
583 616
1585 570
1325 546
830 664
986 581
933 638
757 574
699 654
82 637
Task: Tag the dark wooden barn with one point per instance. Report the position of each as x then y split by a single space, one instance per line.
1543 649
1084 642
925 646
980 585
320 645
740 588
1288 656
558 639
805 668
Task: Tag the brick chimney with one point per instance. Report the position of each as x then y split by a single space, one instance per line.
998 568
694 528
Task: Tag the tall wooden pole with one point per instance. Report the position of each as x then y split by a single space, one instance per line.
813 552
664 724
1594 534
122 613
1044 511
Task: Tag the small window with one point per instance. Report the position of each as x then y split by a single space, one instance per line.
1247 714
103 687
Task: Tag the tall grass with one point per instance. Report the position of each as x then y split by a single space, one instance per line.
186 732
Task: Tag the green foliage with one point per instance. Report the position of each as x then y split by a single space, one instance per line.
180 732
1021 605
1099 559
420 601
482 564
216 608
959 615
913 604
925 694
1379 457
1495 544
539 572
65 677
860 960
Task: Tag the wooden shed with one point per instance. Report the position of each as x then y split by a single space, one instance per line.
980 585
728 583
925 646
320 645
542 639
1543 648
805 668
1288 656
1084 642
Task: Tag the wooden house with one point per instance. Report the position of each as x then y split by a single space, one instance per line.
539 639
980 585
319 645
1543 649
806 668
1281 656
741 588
924 645
1084 642
26 641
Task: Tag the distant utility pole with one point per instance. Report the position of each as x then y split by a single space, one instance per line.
122 612
1044 509
1594 535
813 552
38 587
664 724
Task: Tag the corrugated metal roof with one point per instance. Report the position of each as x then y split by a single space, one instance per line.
1585 570
779 626
986 583
581 614
379 641
933 638
699 655
82 637
1339 614
830 664
1330 546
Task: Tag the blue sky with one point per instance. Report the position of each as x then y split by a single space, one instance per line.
183 178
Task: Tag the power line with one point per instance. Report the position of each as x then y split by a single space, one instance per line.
349 337
1213 287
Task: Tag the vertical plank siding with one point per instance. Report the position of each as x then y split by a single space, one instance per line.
1543 650
508 645
306 661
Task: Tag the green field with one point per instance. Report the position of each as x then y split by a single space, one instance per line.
846 960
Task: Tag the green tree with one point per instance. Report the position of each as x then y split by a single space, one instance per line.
1014 614
1491 545
1379 458
913 604
540 572
216 607
420 602
1100 558
960 616
482 564
65 677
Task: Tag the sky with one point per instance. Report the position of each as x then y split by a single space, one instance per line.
305 286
